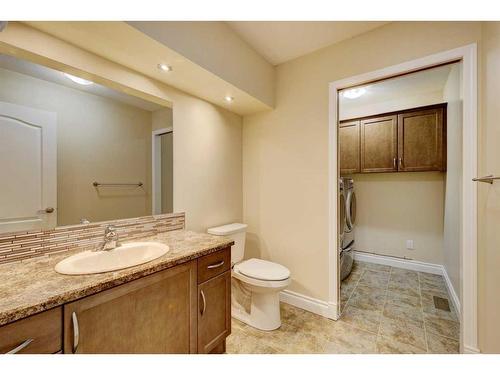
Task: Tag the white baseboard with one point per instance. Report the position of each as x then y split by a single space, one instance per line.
407 264
471 350
413 265
316 306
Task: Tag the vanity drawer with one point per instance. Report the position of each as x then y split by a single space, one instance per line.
44 329
214 264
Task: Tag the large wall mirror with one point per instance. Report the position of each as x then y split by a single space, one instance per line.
73 151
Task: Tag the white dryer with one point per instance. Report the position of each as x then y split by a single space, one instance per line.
347 234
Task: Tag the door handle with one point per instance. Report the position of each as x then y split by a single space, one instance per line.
76 332
204 303
488 179
20 347
49 210
216 265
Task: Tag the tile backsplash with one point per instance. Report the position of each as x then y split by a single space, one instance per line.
18 246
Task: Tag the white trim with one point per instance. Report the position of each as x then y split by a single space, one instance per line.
155 167
310 304
414 265
471 350
468 249
406 264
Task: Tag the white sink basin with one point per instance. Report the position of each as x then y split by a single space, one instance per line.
124 256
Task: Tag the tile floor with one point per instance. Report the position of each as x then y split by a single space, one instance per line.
384 310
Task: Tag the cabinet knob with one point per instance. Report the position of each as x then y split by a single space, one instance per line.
49 210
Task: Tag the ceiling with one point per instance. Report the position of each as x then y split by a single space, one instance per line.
54 76
281 41
416 89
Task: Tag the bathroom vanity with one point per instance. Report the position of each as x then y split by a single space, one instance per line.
178 303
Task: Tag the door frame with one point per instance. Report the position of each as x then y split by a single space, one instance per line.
468 251
156 165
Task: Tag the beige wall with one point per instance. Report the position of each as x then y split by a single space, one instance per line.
98 139
395 207
285 151
207 141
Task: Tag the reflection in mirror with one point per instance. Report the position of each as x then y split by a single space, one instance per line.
73 151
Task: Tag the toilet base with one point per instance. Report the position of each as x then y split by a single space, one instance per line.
264 312
257 302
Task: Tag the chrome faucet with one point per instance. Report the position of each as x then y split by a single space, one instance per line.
110 239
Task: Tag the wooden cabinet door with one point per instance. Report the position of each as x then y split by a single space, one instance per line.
214 312
349 147
379 144
421 137
36 334
154 314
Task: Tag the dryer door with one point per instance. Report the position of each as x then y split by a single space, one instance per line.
350 210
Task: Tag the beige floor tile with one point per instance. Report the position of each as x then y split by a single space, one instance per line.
401 299
403 313
407 281
240 343
404 331
377 267
375 279
442 327
432 287
368 298
431 278
367 320
404 288
442 345
409 274
388 345
349 339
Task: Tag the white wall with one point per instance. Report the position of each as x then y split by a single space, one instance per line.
453 198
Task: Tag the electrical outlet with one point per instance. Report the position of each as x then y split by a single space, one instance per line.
409 245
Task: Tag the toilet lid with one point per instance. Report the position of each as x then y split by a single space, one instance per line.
263 270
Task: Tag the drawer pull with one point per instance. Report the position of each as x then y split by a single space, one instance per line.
20 347
76 332
204 302
216 265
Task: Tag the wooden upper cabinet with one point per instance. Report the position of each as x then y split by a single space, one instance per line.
349 139
379 144
154 314
422 140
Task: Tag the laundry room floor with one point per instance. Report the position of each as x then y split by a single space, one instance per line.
384 310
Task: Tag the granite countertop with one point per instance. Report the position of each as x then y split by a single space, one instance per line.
33 286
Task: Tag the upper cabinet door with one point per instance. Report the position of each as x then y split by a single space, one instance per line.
28 194
421 140
349 147
379 141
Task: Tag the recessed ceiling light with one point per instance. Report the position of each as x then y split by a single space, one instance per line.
228 99
78 80
165 67
354 93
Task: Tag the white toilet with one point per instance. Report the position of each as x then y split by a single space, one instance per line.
262 279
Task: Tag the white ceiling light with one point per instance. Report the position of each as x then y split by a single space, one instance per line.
78 80
228 99
354 93
165 67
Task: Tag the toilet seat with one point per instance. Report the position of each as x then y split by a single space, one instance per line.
262 270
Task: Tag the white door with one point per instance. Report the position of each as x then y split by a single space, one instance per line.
28 168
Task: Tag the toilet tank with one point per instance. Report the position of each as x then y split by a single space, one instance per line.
237 232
